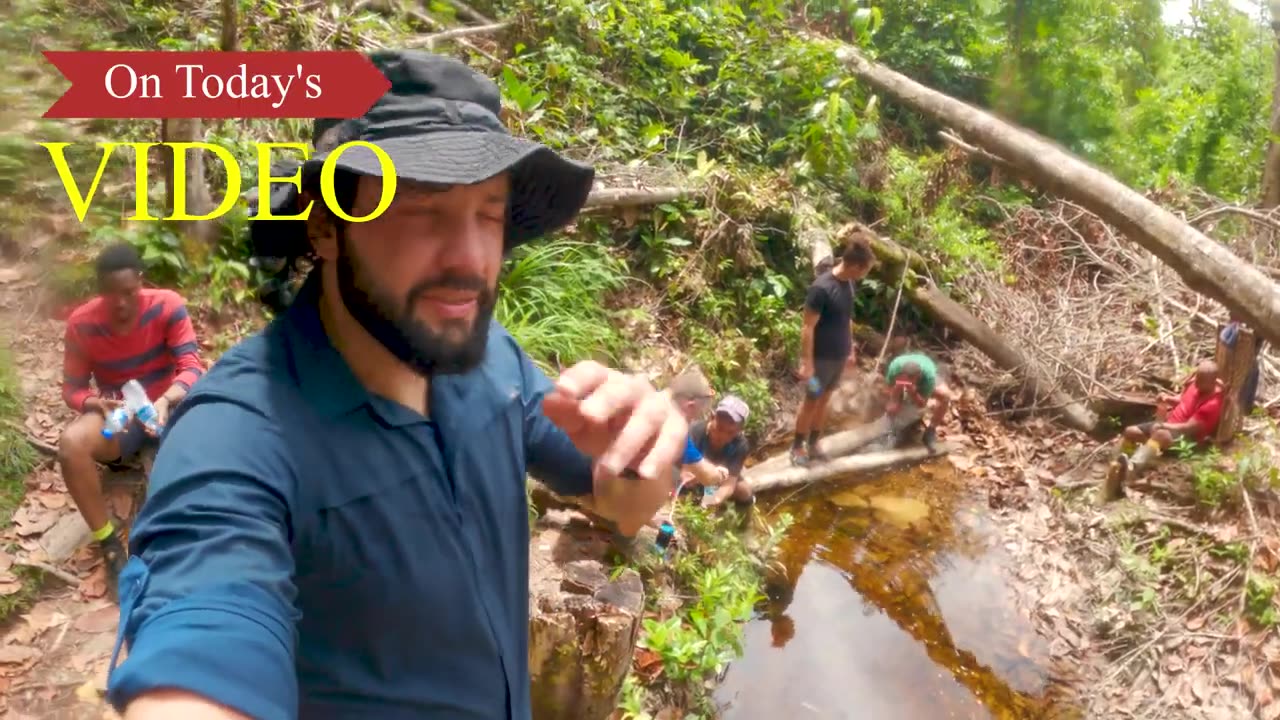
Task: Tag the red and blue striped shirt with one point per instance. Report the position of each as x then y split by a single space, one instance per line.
159 351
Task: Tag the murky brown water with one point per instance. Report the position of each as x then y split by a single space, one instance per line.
893 607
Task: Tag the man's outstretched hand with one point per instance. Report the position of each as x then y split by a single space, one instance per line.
624 424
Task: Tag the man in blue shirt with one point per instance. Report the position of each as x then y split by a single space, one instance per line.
336 525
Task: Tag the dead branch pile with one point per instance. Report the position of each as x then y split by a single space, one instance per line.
1098 313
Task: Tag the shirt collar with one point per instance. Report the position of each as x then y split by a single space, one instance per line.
323 374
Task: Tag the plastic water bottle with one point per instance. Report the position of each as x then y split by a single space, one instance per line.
117 421
665 532
139 405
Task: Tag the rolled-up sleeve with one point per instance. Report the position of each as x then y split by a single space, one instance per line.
207 600
551 456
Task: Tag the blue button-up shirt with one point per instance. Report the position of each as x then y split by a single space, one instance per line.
309 549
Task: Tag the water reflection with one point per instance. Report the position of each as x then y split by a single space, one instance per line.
890 604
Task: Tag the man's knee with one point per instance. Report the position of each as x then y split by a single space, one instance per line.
82 441
1163 438
1134 433
78 440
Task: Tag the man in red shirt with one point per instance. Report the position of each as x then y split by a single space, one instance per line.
127 332
1195 417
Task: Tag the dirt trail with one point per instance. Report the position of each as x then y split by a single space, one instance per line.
53 656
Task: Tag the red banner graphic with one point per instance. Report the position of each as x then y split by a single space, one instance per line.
165 84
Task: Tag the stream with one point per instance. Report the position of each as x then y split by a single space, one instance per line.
893 605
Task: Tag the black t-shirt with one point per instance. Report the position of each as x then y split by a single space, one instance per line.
832 299
732 456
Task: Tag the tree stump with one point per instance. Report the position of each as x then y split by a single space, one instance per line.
1235 362
582 626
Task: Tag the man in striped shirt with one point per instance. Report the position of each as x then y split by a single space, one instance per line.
127 332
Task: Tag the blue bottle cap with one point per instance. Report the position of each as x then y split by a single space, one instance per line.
668 527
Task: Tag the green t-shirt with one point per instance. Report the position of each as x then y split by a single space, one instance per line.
928 372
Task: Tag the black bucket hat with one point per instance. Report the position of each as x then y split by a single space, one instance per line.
440 124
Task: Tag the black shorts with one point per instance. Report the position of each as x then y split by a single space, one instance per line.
827 372
133 440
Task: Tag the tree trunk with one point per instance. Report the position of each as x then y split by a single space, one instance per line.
838 468
632 197
201 233
1271 166
582 631
1235 363
230 25
842 443
1204 265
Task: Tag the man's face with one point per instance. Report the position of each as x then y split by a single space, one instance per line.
724 430
693 406
120 291
854 272
422 278
1206 381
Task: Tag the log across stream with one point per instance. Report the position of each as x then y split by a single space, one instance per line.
890 604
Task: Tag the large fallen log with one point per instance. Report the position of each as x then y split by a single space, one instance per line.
1204 265
839 444
632 197
765 481
920 291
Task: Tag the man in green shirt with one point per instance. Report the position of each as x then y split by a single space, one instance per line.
913 378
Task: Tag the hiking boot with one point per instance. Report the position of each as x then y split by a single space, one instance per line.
114 557
930 439
799 456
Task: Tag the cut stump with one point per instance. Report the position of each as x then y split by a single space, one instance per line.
583 626
1235 362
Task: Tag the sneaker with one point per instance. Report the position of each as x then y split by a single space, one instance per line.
930 439
114 557
799 457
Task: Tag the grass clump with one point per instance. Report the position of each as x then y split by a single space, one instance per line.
552 300
17 459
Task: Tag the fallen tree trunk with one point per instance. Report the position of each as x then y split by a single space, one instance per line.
839 444
893 258
1204 265
981 336
632 197
839 467
466 31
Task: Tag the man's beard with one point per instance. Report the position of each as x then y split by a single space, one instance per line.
410 340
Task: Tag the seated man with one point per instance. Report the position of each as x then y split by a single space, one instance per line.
127 332
1195 417
913 379
721 441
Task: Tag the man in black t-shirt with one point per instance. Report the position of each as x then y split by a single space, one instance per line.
826 340
720 440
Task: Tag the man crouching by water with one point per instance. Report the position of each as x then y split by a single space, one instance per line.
721 441
913 385
337 524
